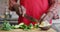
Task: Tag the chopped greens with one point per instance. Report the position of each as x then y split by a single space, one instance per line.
6 26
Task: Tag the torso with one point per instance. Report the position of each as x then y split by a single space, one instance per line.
35 8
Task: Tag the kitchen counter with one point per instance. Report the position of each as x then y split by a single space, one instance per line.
55 25
33 30
9 19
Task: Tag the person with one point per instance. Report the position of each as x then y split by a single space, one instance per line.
34 8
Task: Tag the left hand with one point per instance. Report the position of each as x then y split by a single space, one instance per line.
47 17
56 16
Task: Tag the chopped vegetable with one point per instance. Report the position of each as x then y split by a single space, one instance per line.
6 26
31 26
13 26
21 24
44 24
16 26
36 26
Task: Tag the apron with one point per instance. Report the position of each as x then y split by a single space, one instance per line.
34 8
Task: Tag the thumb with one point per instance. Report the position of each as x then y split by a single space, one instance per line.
23 11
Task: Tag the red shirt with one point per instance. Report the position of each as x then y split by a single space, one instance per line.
34 8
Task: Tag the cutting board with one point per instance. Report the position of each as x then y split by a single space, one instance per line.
32 30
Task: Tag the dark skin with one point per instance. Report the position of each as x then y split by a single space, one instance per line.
13 3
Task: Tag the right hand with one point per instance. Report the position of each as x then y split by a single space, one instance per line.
11 4
21 11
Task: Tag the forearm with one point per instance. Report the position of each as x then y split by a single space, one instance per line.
54 9
53 5
11 4
51 11
14 6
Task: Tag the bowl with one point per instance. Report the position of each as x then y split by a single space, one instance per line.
45 28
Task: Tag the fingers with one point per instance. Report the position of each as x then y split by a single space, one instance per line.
56 16
23 11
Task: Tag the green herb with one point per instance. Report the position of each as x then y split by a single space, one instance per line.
31 26
6 25
36 26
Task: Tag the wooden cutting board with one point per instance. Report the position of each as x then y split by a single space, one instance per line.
33 30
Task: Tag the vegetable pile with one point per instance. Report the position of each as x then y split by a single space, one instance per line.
25 27
6 26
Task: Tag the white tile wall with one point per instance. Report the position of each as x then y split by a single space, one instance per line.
3 5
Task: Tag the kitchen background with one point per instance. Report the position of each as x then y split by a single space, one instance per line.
13 17
4 11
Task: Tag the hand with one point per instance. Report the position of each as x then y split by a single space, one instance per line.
47 17
20 10
11 4
23 11
56 16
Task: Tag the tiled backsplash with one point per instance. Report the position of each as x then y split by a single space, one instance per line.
3 5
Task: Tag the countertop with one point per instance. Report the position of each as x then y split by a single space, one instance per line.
9 19
33 30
